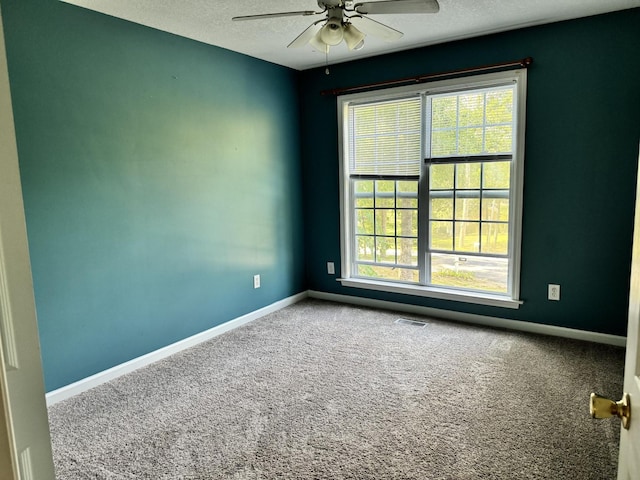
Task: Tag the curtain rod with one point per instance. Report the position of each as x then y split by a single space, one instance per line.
523 63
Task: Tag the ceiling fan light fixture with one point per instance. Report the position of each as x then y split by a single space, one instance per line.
353 37
332 33
341 18
317 43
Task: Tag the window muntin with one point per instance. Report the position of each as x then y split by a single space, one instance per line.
386 229
385 159
465 215
469 218
474 122
469 167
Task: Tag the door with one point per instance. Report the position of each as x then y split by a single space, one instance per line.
629 461
25 444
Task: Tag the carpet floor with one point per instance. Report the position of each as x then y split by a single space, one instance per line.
321 390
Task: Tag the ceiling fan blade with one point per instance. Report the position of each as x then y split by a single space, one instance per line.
398 6
275 15
302 39
376 29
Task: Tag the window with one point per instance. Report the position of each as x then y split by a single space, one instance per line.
432 188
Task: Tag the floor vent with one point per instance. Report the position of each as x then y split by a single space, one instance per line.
413 323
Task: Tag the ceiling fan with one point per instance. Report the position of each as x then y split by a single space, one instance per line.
348 21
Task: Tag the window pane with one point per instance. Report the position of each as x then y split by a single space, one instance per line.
495 238
500 106
385 193
470 141
450 270
408 251
364 249
472 123
444 112
407 222
364 221
468 208
442 208
468 175
385 199
441 177
385 222
441 237
406 202
443 143
471 109
496 175
407 194
496 209
467 237
469 271
498 139
388 273
363 193
385 250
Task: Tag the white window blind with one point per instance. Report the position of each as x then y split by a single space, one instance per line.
385 138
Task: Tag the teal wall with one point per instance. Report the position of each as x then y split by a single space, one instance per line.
159 174
582 133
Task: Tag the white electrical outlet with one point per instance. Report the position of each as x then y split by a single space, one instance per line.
554 292
331 269
256 281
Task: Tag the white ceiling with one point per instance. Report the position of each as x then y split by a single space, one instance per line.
209 21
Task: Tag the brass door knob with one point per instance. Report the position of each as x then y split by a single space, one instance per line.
601 407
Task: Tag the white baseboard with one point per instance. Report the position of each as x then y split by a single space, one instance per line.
475 319
80 386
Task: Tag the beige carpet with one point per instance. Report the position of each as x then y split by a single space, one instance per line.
326 391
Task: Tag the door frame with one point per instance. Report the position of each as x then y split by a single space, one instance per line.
8 457
25 441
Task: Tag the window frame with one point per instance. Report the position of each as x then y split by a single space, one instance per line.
347 230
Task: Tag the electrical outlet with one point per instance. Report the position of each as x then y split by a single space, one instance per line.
256 281
331 269
554 292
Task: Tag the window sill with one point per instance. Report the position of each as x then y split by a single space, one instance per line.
440 293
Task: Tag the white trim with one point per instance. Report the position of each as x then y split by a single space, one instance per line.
7 334
480 298
99 378
85 384
476 319
22 388
345 212
439 87
518 181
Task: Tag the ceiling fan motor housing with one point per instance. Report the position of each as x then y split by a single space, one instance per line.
329 4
